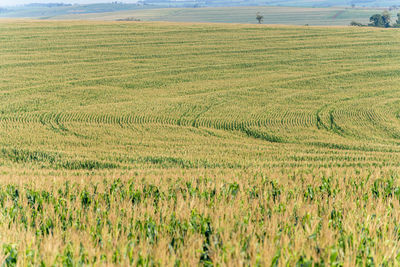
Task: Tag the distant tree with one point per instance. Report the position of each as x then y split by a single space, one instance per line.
376 20
353 5
355 23
259 18
397 24
386 19
128 19
379 20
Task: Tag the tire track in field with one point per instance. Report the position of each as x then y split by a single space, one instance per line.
340 116
328 118
337 14
253 128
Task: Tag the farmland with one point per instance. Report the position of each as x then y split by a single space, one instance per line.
272 15
322 16
153 143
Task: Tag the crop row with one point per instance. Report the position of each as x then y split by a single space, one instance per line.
289 119
324 120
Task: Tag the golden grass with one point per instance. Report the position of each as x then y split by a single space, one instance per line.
165 143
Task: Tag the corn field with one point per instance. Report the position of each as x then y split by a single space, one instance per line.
181 144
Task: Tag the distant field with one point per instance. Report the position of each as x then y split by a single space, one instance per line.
147 143
272 15
50 10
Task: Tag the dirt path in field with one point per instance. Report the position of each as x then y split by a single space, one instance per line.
338 14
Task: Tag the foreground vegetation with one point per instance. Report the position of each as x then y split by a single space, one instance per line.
182 144
272 217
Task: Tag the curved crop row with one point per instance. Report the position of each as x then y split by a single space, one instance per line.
57 120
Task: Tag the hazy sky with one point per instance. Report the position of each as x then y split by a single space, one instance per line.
20 2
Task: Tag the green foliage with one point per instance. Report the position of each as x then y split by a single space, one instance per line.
11 253
259 18
105 225
355 23
379 20
397 24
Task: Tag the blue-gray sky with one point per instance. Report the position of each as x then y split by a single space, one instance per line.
21 2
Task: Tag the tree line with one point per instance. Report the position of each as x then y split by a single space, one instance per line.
380 20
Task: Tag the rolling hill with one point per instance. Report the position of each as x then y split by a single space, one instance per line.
333 16
148 143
